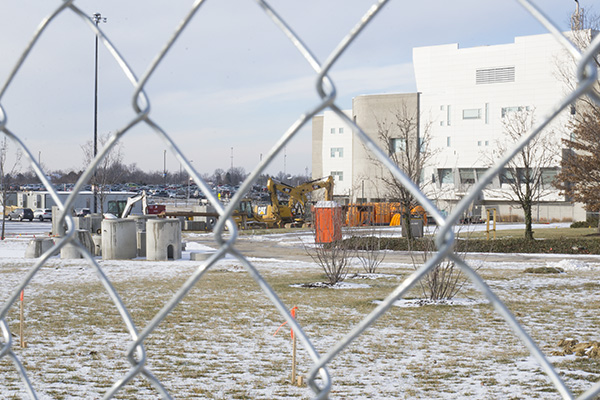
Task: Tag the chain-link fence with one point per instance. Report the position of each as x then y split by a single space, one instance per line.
318 378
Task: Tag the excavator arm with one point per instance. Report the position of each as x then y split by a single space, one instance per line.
132 200
297 194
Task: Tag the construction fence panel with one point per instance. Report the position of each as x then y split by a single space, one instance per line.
318 378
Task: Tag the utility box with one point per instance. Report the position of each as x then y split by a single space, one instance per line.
328 222
416 227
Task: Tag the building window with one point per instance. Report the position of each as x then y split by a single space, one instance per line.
487 142
487 113
448 115
338 175
445 175
397 145
479 143
507 177
341 130
447 141
337 150
332 130
479 172
494 75
509 110
467 176
525 175
472 113
548 175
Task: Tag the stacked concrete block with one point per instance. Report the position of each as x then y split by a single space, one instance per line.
37 247
70 250
119 239
163 239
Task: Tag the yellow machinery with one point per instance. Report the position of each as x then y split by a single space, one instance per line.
292 213
245 216
416 212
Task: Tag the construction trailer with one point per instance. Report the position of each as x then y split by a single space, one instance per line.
113 202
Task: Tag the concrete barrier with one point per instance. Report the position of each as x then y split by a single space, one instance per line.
197 256
97 244
163 239
141 243
38 246
83 223
70 251
95 222
141 220
118 239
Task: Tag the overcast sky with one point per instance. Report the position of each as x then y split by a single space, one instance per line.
232 80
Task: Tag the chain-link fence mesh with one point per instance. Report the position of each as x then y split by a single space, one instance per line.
318 378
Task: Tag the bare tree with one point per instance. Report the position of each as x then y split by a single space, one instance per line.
235 175
108 172
584 26
409 147
525 173
579 178
6 176
580 171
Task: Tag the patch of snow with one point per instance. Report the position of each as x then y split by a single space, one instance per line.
372 276
405 303
570 265
339 285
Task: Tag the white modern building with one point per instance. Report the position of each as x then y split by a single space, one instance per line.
338 152
464 95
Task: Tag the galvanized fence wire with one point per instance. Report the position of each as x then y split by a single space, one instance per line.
318 378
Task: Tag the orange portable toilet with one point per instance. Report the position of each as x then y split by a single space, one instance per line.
328 222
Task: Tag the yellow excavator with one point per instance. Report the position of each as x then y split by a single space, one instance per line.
293 213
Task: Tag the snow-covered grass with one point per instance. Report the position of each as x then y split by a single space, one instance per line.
219 344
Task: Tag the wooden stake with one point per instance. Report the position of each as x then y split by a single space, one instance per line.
487 226
494 224
22 324
294 358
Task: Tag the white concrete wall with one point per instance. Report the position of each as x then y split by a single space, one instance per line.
446 76
337 135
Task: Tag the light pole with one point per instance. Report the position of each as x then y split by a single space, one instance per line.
188 188
165 167
97 17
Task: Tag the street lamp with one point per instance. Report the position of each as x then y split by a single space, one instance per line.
165 167
97 17
188 188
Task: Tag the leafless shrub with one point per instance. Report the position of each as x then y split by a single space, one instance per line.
331 252
334 258
369 251
444 281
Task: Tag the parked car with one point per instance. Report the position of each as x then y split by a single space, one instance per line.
43 214
21 214
82 212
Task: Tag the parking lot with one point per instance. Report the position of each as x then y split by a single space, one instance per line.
15 228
